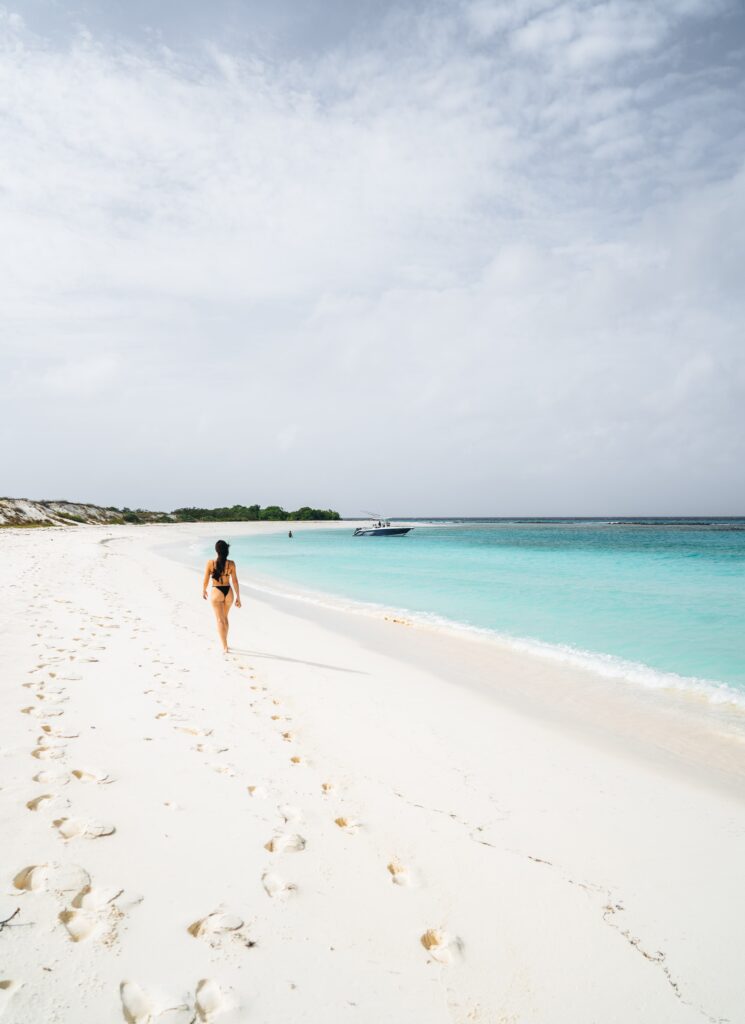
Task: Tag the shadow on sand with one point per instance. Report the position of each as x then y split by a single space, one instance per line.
296 661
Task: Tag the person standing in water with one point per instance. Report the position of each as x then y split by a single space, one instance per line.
224 577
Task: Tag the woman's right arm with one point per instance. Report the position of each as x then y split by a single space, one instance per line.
205 581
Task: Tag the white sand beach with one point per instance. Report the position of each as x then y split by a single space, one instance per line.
340 821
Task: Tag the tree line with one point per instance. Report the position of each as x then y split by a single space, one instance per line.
251 513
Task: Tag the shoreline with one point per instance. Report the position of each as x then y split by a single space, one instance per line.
676 725
340 821
610 666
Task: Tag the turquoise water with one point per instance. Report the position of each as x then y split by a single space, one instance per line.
642 600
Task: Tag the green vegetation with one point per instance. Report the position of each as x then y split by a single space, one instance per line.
250 513
60 513
34 524
137 515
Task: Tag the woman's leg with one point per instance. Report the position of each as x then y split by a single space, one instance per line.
221 605
226 606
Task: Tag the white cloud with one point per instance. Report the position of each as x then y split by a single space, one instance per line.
488 17
491 255
584 34
76 377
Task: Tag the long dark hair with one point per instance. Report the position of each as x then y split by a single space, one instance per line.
222 549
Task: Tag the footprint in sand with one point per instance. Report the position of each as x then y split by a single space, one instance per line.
51 877
289 813
210 748
191 730
285 843
32 878
47 712
97 911
80 925
441 946
92 775
52 698
47 778
277 887
48 753
348 825
7 990
38 802
400 874
258 792
219 928
93 898
78 828
137 1006
209 1002
44 691
58 732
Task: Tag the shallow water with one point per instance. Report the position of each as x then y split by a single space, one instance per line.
658 602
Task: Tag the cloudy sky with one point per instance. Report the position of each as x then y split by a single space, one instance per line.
464 257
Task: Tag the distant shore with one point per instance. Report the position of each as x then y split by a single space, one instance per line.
344 819
24 512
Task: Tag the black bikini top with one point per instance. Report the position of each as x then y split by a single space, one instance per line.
225 575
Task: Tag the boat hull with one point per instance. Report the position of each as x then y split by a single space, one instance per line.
382 531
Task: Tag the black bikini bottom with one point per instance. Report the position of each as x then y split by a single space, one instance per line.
223 590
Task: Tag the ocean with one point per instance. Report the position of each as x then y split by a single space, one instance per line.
657 602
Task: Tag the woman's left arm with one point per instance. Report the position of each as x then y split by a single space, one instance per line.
234 576
205 581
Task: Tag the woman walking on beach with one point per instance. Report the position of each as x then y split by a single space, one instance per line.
222 573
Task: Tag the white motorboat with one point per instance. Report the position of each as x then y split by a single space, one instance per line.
380 527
